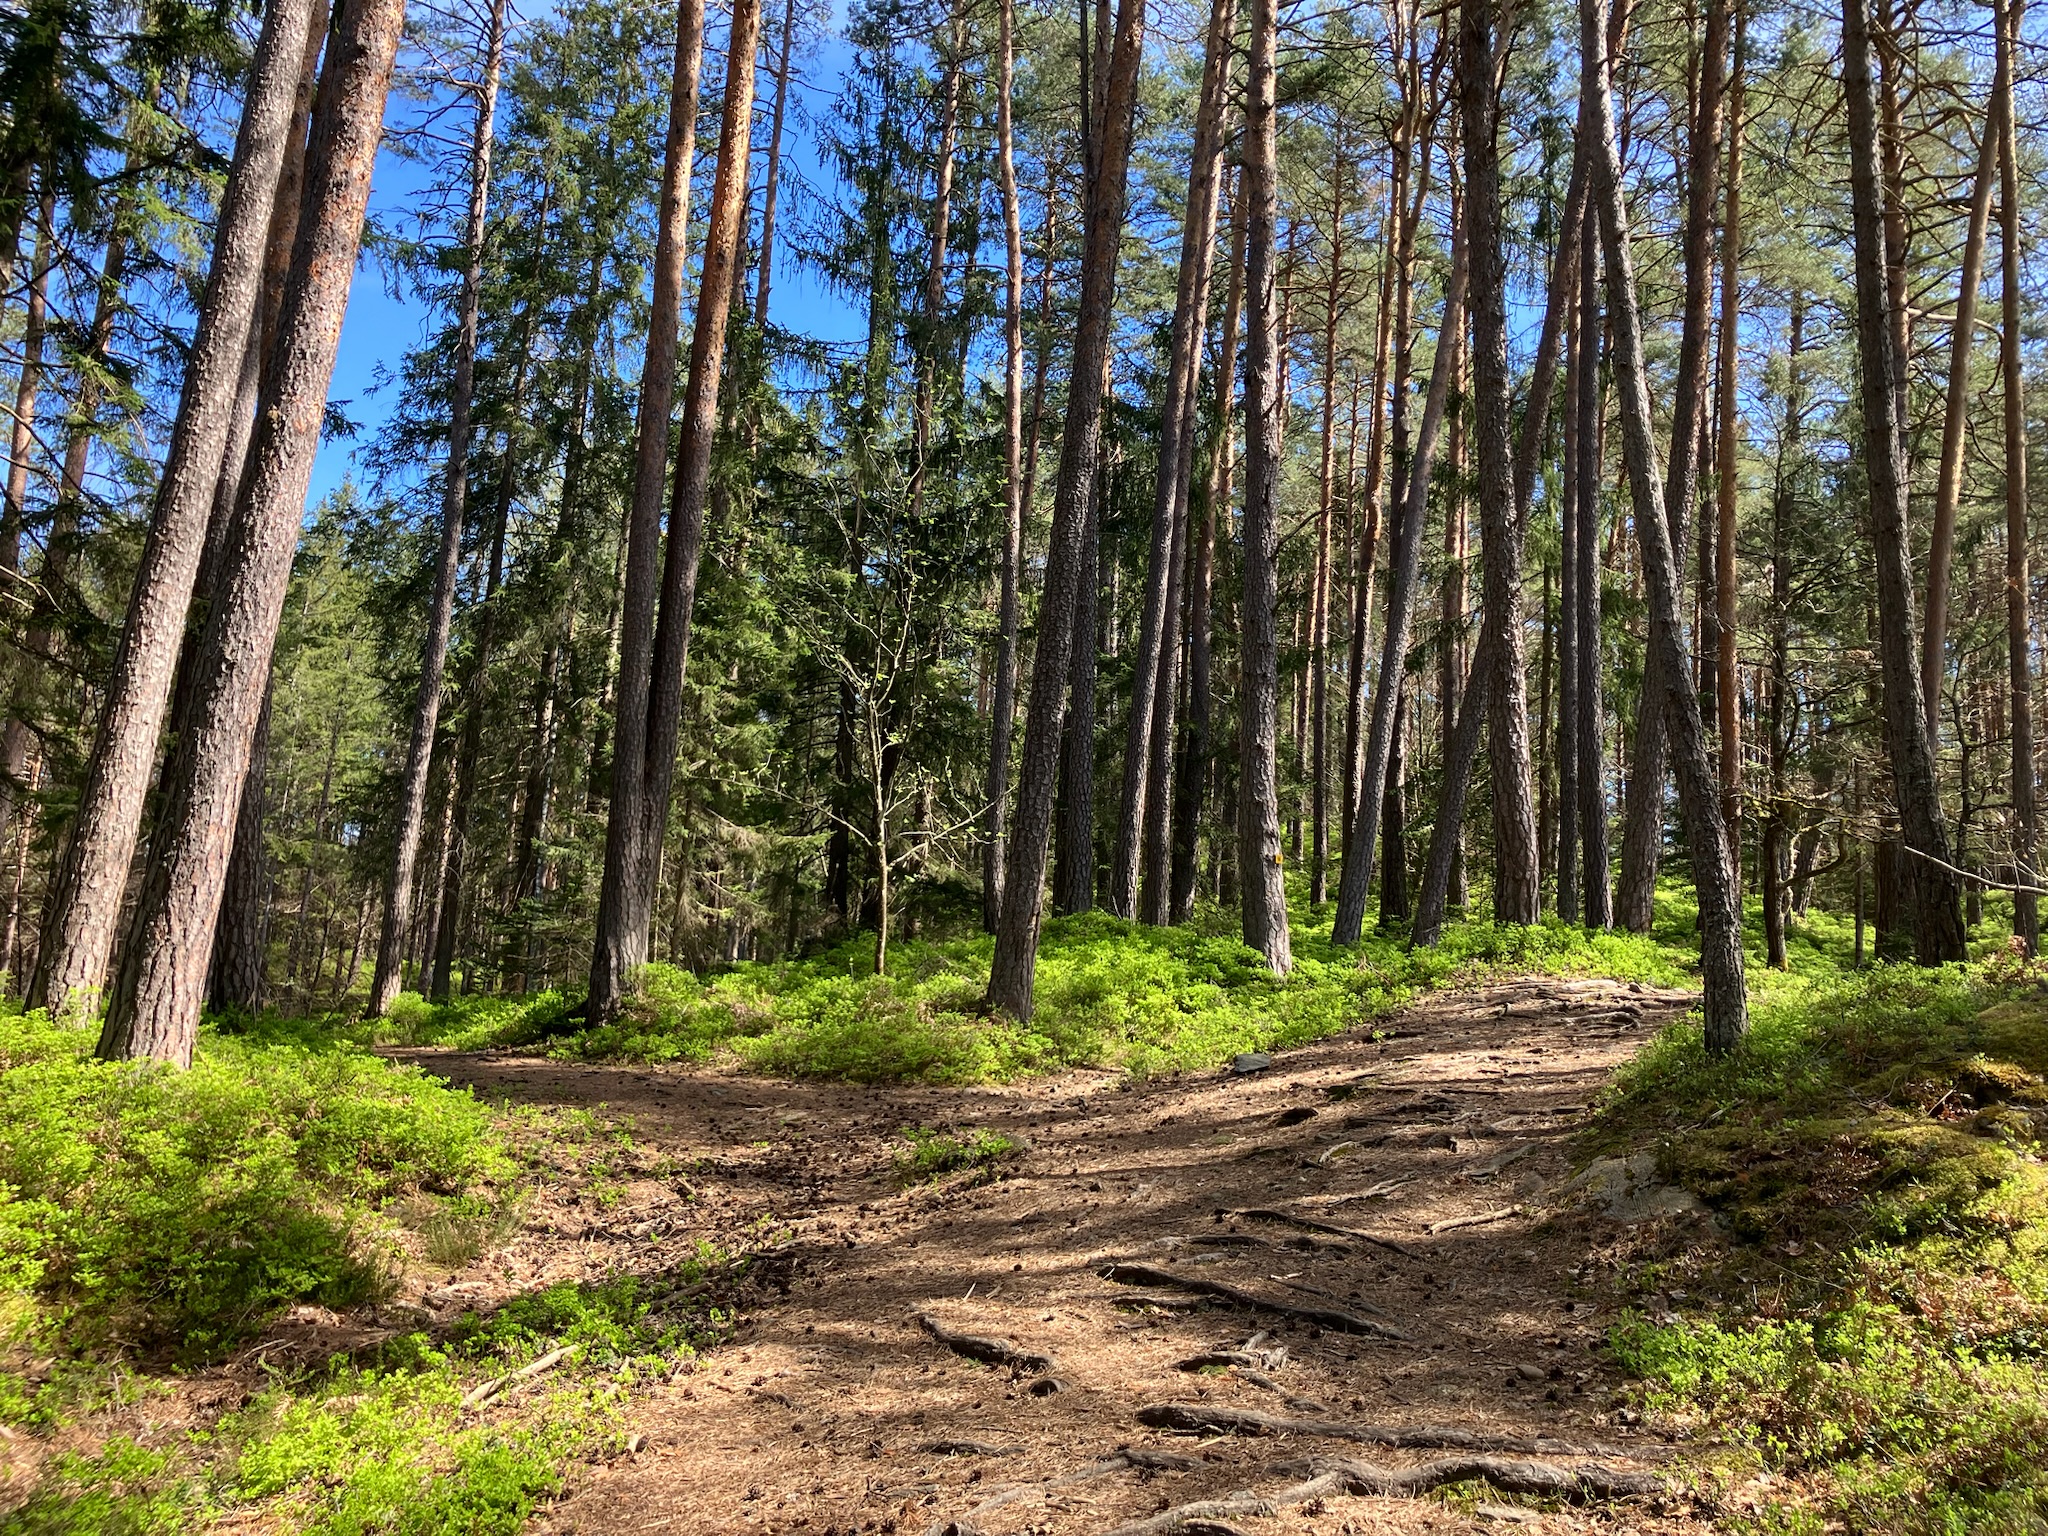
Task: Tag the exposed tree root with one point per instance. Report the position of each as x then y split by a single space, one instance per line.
1309 1224
1322 1317
1329 1476
987 1350
968 1448
1209 1419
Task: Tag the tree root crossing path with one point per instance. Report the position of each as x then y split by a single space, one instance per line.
1301 1296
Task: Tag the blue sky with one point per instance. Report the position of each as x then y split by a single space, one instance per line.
381 328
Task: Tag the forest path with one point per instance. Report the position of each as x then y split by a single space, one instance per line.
831 1409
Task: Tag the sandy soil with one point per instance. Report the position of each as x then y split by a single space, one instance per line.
1438 1142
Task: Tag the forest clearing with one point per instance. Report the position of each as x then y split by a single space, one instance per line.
969 768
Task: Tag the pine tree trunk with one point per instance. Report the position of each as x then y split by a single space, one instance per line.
1595 887
1003 705
83 908
1724 1004
1517 885
1191 782
1074 862
1778 815
1643 812
1149 817
1727 434
154 1010
1929 890
426 710
626 898
1355 691
1263 894
770 194
1569 708
2019 624
1016 950
15 734
926 333
1403 570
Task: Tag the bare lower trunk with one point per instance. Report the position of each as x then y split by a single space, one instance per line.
1931 893
1016 950
1517 887
1568 838
154 1010
83 909
1191 782
1074 863
1403 568
1727 435
1643 813
1595 887
1003 705
15 730
242 937
625 901
2019 625
1264 884
426 710
1724 1002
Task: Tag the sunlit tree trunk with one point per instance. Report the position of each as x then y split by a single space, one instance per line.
154 1009
1016 950
626 899
2019 624
1930 889
1595 889
1724 1004
83 909
426 710
1003 704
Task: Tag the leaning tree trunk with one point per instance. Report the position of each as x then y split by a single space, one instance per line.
1517 879
660 706
1264 882
1016 951
1003 706
1931 891
426 709
1724 1002
2019 625
83 908
625 909
1642 833
1404 564
1463 748
154 1010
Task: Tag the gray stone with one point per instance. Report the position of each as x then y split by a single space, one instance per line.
1250 1061
1628 1189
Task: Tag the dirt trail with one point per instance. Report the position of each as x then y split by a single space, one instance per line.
836 1410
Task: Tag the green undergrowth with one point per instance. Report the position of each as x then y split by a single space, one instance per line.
148 1209
1109 994
1876 1323
408 1438
928 1154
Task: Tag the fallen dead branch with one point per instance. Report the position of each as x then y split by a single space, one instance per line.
1207 1419
478 1396
1482 1219
1310 1224
1322 1317
990 1351
1331 1476
968 1448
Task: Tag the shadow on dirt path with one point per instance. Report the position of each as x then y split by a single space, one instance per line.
1434 1145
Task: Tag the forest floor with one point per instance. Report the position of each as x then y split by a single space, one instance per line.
1414 1175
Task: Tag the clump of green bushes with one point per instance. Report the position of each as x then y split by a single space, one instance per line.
151 1207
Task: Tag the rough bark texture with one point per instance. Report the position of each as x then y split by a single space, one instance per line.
154 1010
2019 624
1263 896
15 734
1003 705
1191 782
1016 950
1643 813
1404 562
1724 1003
1568 707
426 709
626 899
1595 887
1930 891
1727 439
84 905
1177 446
1517 888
